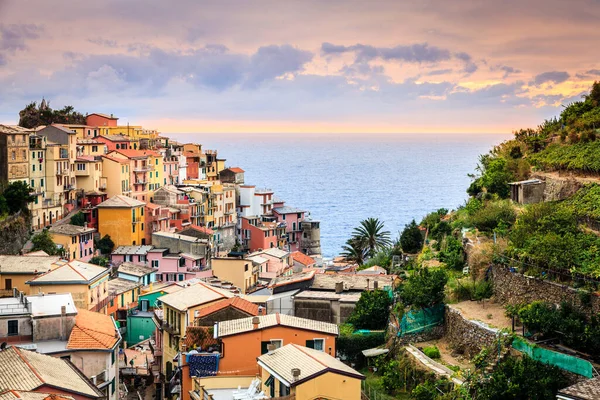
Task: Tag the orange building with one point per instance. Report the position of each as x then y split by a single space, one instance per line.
101 120
243 340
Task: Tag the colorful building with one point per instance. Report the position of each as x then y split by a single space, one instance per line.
87 283
88 173
140 168
116 142
240 272
131 254
14 154
101 121
15 271
88 203
273 262
117 174
292 218
122 218
226 310
257 234
243 340
307 374
76 241
136 273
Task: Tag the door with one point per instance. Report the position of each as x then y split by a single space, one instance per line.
8 284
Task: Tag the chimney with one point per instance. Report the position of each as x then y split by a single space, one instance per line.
255 322
368 283
63 322
261 310
339 287
296 373
375 285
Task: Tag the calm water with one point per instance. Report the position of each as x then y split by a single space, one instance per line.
342 180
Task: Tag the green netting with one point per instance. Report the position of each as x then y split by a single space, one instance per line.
564 361
419 320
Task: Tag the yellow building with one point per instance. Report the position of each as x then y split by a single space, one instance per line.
90 147
14 154
123 295
179 310
122 218
88 174
240 272
83 131
87 283
115 176
16 270
156 177
307 374
77 241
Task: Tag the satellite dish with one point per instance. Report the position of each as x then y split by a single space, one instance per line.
2 346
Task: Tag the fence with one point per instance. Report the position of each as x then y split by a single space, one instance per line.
564 361
419 320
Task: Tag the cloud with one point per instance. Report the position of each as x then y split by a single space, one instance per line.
270 62
440 72
104 42
551 76
508 70
14 37
595 72
415 53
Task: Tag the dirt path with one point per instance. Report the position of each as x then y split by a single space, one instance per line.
492 314
446 353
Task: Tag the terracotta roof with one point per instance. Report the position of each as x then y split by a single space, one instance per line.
235 302
13 129
103 116
24 370
584 390
303 258
73 272
153 206
242 325
131 153
194 295
120 201
116 138
291 279
235 170
93 330
202 229
199 337
119 160
310 362
16 394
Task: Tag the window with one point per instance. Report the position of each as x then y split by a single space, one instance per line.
24 154
277 343
246 267
33 167
317 344
181 277
154 263
94 149
13 327
13 155
41 167
128 258
133 228
42 182
283 217
32 183
112 386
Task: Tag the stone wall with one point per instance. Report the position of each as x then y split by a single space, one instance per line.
559 187
467 337
515 288
437 332
14 233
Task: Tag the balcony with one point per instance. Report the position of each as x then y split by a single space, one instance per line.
144 168
62 172
172 329
68 187
140 182
85 172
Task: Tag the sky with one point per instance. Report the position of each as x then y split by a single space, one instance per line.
287 66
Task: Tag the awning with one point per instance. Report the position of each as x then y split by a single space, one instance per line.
374 352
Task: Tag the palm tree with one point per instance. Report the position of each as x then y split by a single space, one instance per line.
354 250
371 232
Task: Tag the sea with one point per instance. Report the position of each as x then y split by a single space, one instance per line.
343 179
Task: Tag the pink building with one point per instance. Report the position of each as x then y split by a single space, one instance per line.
175 267
259 235
171 170
133 254
291 217
157 220
271 262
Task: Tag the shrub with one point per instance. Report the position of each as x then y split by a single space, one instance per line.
78 219
372 310
411 238
105 245
432 352
425 288
98 260
494 214
351 346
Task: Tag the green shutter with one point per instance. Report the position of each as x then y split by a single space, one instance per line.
310 344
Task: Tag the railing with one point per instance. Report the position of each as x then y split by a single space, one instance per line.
170 328
68 187
144 168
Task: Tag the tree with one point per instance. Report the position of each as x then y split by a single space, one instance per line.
98 260
33 116
371 232
372 310
105 245
411 238
43 241
354 251
17 195
425 288
78 219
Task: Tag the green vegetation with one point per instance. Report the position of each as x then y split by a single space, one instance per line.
372 310
351 345
424 288
411 239
98 260
78 219
372 235
33 116
105 245
432 352
43 241
520 378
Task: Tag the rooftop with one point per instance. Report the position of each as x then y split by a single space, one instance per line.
134 250
302 258
27 371
31 264
73 272
12 306
16 395
234 327
273 252
235 170
120 285
71 230
584 390
352 282
104 116
235 302
93 330
287 210
117 138
310 362
179 236
13 129
199 293
134 269
120 201
50 304
291 279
